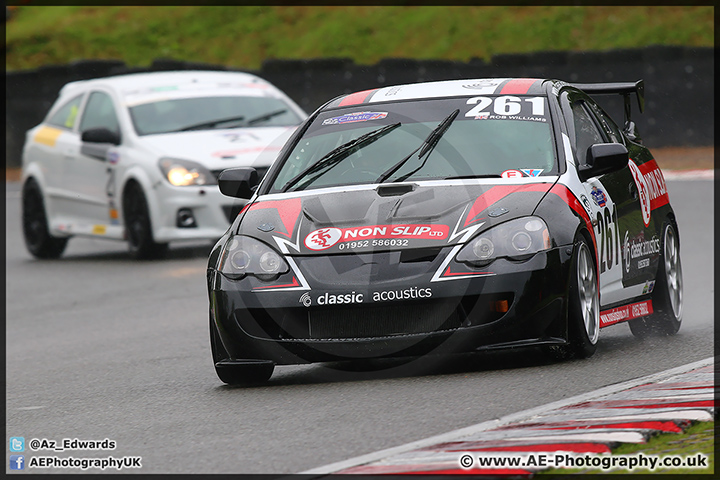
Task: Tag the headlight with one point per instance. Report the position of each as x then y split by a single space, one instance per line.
182 173
246 256
516 239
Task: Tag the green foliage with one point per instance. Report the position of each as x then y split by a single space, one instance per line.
698 439
245 36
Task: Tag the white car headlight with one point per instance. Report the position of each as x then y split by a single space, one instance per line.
515 239
246 256
182 173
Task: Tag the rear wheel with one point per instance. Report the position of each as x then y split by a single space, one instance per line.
668 292
38 240
138 226
583 307
233 372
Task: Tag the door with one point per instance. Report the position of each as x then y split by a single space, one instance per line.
89 171
608 196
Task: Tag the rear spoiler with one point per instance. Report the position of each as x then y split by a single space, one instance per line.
618 88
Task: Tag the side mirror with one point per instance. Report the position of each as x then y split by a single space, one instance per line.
238 182
100 135
603 158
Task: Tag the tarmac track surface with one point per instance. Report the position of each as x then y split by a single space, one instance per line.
100 346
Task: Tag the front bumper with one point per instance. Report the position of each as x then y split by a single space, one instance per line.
212 211
355 314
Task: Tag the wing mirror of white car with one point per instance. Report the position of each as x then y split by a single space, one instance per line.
603 158
238 182
100 135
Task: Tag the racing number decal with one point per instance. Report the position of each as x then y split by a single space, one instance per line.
609 233
506 105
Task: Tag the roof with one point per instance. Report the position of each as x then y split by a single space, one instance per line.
447 88
158 81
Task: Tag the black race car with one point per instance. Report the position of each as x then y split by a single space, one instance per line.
446 217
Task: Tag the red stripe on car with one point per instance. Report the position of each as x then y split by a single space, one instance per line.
356 98
518 86
289 211
497 193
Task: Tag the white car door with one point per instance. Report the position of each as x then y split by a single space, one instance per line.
88 172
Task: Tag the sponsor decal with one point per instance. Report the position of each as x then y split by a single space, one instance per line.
113 157
98 230
627 312
507 107
648 288
480 85
354 117
639 247
392 91
586 203
655 183
406 294
47 136
512 174
643 192
353 297
324 238
532 172
598 196
339 299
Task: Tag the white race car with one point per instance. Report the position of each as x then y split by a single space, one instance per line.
136 157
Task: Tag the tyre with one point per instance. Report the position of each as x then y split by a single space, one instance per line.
37 236
583 306
138 226
245 372
668 293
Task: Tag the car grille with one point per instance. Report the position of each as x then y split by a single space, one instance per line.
382 321
370 321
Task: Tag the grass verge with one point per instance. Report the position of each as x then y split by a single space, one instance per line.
698 439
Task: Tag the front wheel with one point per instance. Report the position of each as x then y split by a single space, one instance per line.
668 293
138 225
583 307
38 240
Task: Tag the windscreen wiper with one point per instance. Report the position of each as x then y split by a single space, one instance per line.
210 124
266 116
335 156
424 149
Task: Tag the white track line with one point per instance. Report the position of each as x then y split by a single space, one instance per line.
689 174
523 415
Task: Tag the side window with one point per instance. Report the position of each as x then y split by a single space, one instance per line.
607 123
99 113
586 132
66 116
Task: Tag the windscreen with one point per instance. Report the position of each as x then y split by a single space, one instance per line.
467 137
204 113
